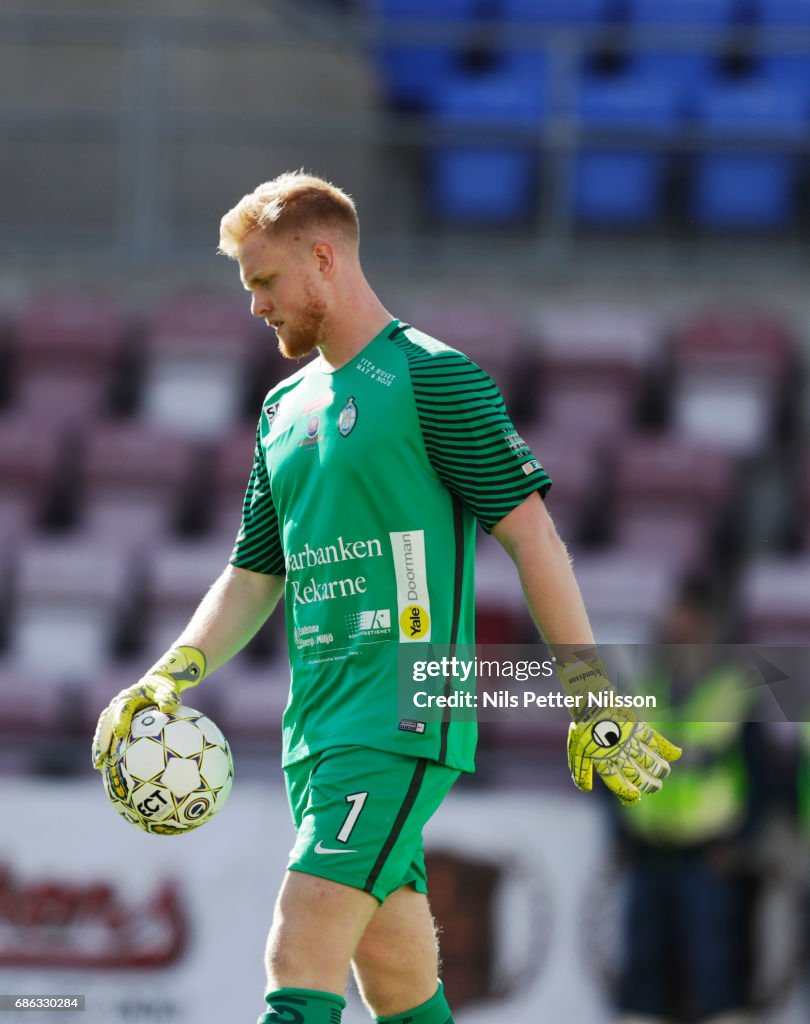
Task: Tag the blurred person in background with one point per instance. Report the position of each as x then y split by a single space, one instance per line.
687 854
373 462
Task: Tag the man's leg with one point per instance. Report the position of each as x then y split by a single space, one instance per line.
316 927
396 963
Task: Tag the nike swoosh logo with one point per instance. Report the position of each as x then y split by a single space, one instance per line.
320 848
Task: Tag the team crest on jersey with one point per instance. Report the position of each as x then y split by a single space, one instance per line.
347 418
312 426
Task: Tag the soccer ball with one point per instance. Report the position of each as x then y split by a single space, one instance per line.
171 774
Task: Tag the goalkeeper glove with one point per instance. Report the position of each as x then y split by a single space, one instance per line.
630 756
161 686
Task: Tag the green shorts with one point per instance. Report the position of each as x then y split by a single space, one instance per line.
359 815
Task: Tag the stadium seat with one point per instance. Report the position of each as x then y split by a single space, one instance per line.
697 13
253 699
787 13
747 188
775 601
501 616
411 68
30 702
556 12
231 463
68 595
177 576
626 593
782 64
621 185
574 463
135 481
669 495
486 180
197 352
731 369
29 460
66 352
592 361
676 64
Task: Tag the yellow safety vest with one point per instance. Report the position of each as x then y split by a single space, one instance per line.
705 796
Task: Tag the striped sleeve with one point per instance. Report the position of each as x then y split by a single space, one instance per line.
258 543
469 437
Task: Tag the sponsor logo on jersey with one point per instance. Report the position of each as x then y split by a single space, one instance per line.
347 418
414 623
340 551
372 623
317 403
413 599
516 443
270 412
409 725
320 848
531 467
308 636
312 426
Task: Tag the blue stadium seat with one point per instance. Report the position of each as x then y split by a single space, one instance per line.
411 70
745 188
682 12
621 185
783 12
689 68
485 182
789 68
556 12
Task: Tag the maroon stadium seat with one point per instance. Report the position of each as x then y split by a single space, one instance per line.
731 369
29 460
593 360
134 480
67 596
197 351
669 493
66 352
775 600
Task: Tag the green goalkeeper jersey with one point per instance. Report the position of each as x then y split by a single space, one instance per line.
366 485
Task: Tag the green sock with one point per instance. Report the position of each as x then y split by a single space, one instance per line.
434 1011
302 1006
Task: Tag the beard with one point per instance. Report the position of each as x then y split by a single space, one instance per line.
309 330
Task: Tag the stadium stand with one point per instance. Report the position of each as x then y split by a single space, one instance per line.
136 482
775 600
411 71
731 371
197 354
620 185
65 356
746 188
493 183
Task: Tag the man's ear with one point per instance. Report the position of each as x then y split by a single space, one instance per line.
324 255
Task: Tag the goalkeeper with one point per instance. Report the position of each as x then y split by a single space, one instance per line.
373 463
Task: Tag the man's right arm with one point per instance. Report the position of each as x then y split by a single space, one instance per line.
238 603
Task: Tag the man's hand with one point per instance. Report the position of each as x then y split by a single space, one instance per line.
630 757
162 685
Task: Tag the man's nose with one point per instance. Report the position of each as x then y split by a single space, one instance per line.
260 305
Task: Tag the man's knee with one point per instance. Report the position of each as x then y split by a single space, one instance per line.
316 927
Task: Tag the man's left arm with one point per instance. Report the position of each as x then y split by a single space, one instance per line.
630 757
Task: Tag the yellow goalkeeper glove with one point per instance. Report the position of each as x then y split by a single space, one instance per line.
630 756
161 686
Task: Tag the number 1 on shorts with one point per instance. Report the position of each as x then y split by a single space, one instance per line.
356 800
